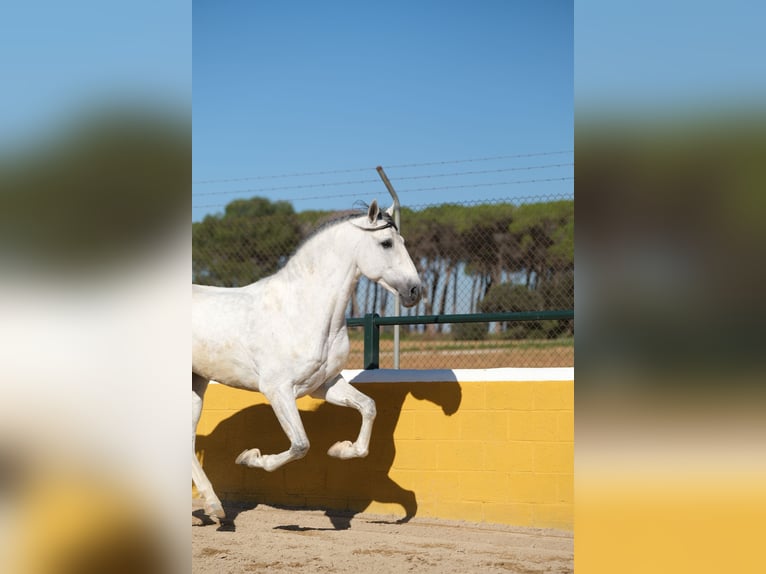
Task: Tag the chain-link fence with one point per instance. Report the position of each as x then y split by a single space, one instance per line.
505 255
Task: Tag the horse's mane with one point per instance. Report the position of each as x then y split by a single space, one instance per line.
329 221
337 217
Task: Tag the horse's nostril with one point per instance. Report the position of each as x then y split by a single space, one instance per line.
414 292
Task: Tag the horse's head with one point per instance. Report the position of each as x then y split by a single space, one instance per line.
383 258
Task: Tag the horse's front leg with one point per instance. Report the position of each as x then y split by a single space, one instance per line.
338 391
283 403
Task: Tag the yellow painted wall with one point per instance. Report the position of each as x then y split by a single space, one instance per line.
486 451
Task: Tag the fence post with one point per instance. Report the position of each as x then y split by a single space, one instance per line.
371 342
397 221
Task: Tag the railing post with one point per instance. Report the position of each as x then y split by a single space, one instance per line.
372 322
371 341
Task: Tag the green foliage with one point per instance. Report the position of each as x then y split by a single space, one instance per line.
245 243
103 189
311 219
497 246
512 298
507 297
545 232
559 293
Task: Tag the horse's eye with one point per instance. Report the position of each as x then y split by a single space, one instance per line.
387 244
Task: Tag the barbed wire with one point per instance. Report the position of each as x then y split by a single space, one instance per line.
490 184
483 172
362 181
493 158
283 175
395 166
287 187
435 188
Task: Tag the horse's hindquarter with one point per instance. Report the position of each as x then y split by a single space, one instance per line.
221 322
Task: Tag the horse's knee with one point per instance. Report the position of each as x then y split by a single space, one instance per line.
299 448
368 409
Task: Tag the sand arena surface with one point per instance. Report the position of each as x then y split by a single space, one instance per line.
268 539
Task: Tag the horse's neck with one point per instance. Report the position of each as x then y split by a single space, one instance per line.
324 272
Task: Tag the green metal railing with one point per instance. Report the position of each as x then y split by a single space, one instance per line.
372 323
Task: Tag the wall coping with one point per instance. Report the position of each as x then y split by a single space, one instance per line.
456 375
459 375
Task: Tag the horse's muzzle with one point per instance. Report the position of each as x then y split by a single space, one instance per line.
411 297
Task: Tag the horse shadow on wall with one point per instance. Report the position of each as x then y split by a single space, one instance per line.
318 480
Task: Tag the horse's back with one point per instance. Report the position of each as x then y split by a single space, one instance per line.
213 305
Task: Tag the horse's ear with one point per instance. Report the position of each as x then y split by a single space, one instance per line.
373 212
390 210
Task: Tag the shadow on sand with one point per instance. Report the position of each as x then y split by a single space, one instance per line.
340 487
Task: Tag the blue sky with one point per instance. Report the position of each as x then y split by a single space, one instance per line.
298 86
306 87
634 57
64 59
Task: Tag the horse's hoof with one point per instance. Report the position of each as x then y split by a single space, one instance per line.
215 510
249 457
342 449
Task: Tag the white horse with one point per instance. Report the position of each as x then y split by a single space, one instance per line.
285 335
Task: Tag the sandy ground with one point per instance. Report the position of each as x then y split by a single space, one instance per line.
267 539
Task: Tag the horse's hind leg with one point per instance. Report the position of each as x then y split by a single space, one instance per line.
213 506
340 392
